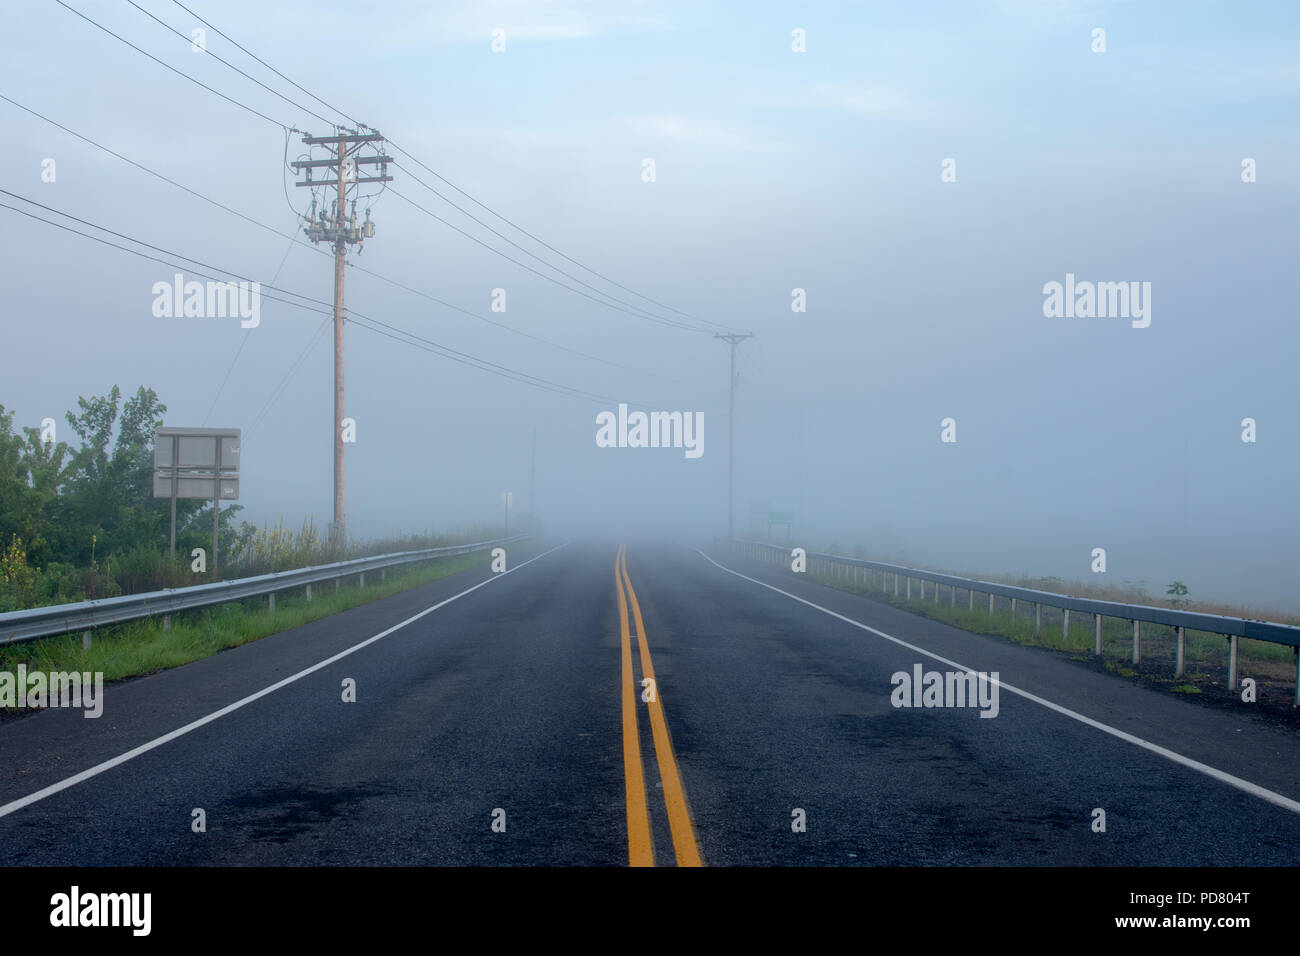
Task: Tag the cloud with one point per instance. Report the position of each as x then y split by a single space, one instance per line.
463 21
705 134
863 100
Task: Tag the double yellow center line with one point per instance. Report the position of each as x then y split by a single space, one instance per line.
640 846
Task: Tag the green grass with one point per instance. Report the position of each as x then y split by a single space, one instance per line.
143 647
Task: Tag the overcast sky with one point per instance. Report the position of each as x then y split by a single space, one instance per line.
775 170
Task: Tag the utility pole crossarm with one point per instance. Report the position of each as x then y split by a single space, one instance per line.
343 138
321 163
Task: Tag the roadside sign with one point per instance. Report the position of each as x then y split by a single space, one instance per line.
200 463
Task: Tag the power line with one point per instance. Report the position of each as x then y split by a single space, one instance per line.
140 242
662 321
444 179
519 332
179 73
567 275
552 279
283 384
543 242
319 251
135 252
455 355
204 48
242 342
352 120
158 175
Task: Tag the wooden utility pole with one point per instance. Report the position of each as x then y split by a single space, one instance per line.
734 339
341 230
340 254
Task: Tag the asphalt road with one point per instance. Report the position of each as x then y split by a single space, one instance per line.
511 725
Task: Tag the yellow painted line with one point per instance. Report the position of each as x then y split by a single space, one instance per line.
640 849
679 814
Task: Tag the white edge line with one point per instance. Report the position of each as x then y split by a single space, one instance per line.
1222 776
99 768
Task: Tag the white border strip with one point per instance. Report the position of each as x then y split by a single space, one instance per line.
99 768
1222 776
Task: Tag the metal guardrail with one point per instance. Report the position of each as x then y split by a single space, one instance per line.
37 622
1233 628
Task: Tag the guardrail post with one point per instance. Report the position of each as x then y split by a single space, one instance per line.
937 589
1178 658
1137 639
85 640
970 599
363 580
1296 703
1097 622
1013 608
909 587
895 584
954 595
167 622
270 602
922 589
1232 662
309 592
990 602
383 575
1038 618
1065 626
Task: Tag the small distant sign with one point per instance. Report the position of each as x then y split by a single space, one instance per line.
196 463
780 517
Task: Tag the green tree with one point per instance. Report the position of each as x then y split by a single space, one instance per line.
18 504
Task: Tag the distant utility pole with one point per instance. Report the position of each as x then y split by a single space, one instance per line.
532 484
734 339
342 230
